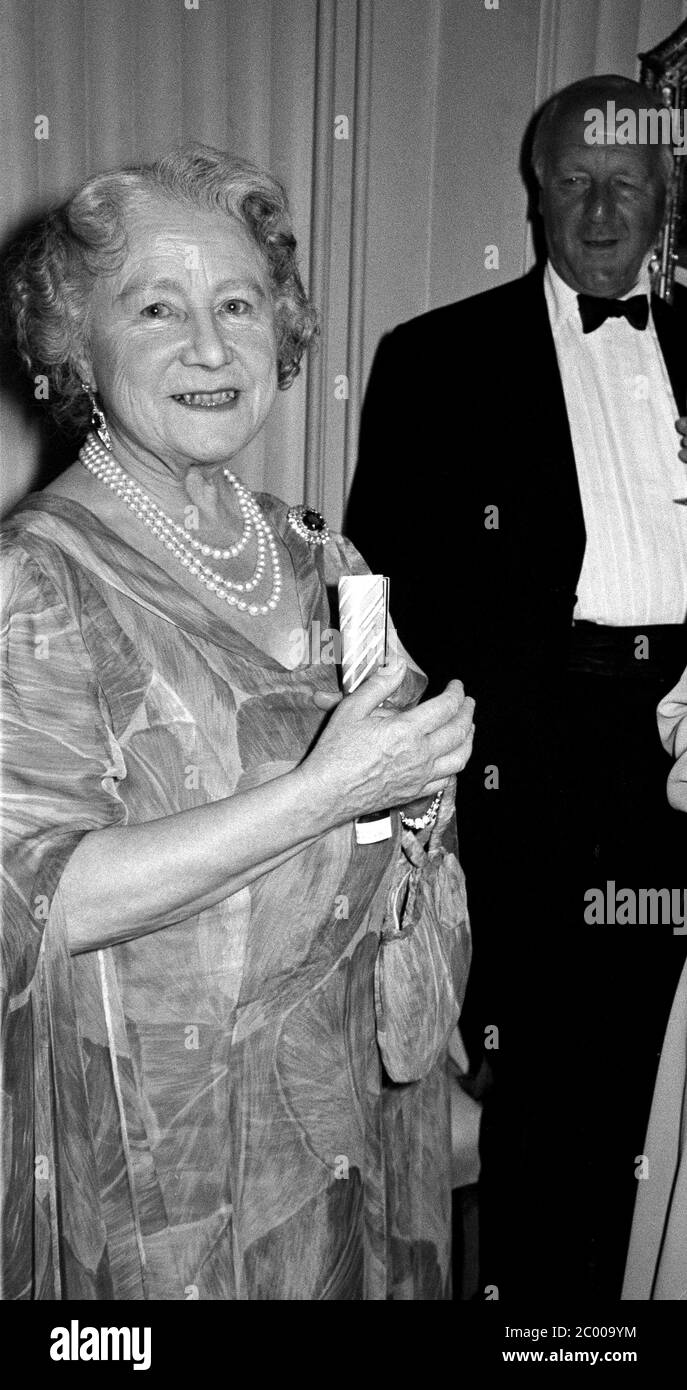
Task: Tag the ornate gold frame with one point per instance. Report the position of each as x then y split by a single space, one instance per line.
664 71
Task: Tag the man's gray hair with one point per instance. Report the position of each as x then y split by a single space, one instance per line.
596 91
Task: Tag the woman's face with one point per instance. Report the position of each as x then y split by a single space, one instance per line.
182 347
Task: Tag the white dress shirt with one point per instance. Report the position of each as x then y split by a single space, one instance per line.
622 413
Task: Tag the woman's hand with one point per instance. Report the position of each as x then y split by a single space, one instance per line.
369 758
681 427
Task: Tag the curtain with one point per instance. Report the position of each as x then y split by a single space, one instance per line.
396 126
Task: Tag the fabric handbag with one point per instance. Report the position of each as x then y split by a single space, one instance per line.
424 954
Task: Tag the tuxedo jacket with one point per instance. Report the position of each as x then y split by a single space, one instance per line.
466 494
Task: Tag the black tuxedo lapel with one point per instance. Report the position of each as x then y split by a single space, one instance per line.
671 329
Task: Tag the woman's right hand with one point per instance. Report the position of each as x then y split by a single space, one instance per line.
681 427
369 758
126 880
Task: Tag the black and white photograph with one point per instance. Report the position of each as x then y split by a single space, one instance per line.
343 576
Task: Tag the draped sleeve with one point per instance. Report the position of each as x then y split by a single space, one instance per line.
672 723
61 766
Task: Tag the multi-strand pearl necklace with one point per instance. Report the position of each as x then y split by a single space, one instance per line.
188 549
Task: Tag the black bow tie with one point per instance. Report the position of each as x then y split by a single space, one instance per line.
595 311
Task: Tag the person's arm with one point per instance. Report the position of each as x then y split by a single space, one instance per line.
125 881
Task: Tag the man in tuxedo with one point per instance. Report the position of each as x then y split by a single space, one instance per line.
519 481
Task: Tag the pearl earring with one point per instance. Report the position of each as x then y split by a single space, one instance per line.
98 420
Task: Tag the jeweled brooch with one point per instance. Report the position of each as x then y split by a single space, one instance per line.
309 525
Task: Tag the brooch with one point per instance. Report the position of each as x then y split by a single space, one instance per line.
309 525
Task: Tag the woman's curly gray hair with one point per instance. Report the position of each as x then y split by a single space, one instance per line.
51 273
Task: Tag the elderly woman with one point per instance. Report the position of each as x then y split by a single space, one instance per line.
657 1258
201 965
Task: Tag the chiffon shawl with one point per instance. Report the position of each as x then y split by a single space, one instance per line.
657 1258
200 1112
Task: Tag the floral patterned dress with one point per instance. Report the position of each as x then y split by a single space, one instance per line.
201 1112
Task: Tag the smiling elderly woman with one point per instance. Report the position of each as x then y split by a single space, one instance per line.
197 1013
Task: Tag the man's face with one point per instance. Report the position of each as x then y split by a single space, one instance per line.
602 207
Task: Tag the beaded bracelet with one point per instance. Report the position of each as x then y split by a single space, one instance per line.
428 820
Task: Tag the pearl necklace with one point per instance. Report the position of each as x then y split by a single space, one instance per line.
101 463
